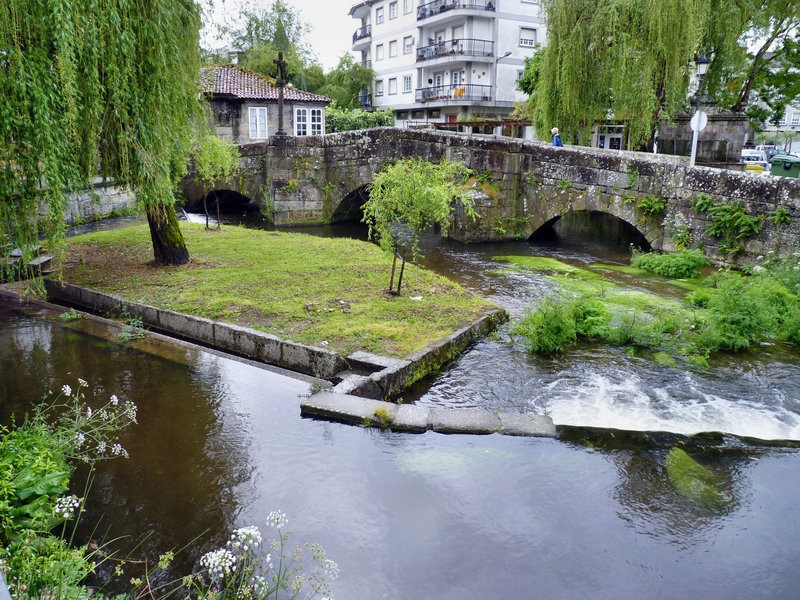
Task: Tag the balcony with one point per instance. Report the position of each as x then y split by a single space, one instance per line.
437 7
454 93
367 62
456 48
361 37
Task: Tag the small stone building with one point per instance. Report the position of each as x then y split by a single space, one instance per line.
720 143
245 105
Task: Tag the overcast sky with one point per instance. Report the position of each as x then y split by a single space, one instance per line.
331 27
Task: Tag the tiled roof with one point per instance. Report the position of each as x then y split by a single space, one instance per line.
246 84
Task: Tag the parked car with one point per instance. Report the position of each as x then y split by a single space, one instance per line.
755 160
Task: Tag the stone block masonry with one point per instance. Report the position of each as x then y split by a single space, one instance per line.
312 179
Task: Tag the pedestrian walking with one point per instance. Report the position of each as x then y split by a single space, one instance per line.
556 137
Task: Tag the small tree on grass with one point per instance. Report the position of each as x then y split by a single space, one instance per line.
216 161
411 196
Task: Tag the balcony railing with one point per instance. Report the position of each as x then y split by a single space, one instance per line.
431 9
362 32
454 93
460 47
367 62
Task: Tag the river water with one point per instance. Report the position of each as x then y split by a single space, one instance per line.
220 443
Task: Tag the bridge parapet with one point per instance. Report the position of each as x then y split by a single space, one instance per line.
308 179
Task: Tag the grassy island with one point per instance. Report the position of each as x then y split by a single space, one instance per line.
297 286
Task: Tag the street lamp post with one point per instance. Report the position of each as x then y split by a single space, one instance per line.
698 122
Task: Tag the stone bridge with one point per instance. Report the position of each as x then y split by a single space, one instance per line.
322 179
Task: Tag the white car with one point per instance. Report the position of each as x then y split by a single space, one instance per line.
755 160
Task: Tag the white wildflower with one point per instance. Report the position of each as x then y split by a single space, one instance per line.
118 450
130 411
114 400
101 447
80 438
277 519
245 539
82 382
219 563
88 412
66 390
331 569
66 506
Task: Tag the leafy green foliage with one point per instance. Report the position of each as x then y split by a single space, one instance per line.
411 196
780 216
678 265
730 224
550 328
216 160
652 205
349 120
264 32
346 82
93 88
624 57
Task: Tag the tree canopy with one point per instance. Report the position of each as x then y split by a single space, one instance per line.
347 81
264 32
101 87
410 196
630 60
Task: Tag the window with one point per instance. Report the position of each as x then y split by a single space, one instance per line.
455 77
258 122
301 121
392 48
308 121
393 86
408 45
796 118
379 87
406 84
406 6
392 10
378 15
402 115
379 52
527 37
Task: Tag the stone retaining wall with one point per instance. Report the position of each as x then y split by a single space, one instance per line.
101 201
386 377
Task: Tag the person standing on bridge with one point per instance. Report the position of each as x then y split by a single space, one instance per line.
556 137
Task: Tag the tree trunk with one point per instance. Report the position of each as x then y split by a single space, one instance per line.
168 245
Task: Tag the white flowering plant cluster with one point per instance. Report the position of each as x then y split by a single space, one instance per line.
36 463
87 433
242 569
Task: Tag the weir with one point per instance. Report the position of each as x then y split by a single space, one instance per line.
523 186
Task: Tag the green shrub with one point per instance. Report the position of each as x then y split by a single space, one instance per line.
739 314
550 328
591 316
677 265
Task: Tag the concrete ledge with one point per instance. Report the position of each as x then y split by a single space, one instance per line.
418 419
363 374
243 341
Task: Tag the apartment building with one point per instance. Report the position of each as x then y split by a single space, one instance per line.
442 61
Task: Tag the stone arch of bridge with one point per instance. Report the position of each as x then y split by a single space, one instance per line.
548 213
350 206
593 224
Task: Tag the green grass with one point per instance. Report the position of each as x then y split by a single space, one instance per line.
300 287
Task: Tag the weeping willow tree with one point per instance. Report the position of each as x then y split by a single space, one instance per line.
95 87
628 60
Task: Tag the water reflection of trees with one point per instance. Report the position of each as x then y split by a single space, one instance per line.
180 480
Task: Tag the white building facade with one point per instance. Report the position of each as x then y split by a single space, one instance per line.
442 61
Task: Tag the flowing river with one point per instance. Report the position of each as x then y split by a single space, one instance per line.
220 443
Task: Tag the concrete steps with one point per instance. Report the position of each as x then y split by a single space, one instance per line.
412 418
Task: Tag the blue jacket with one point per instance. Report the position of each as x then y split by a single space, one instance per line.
557 140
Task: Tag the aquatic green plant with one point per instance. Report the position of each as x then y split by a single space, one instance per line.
70 315
550 328
384 417
678 265
132 330
695 482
